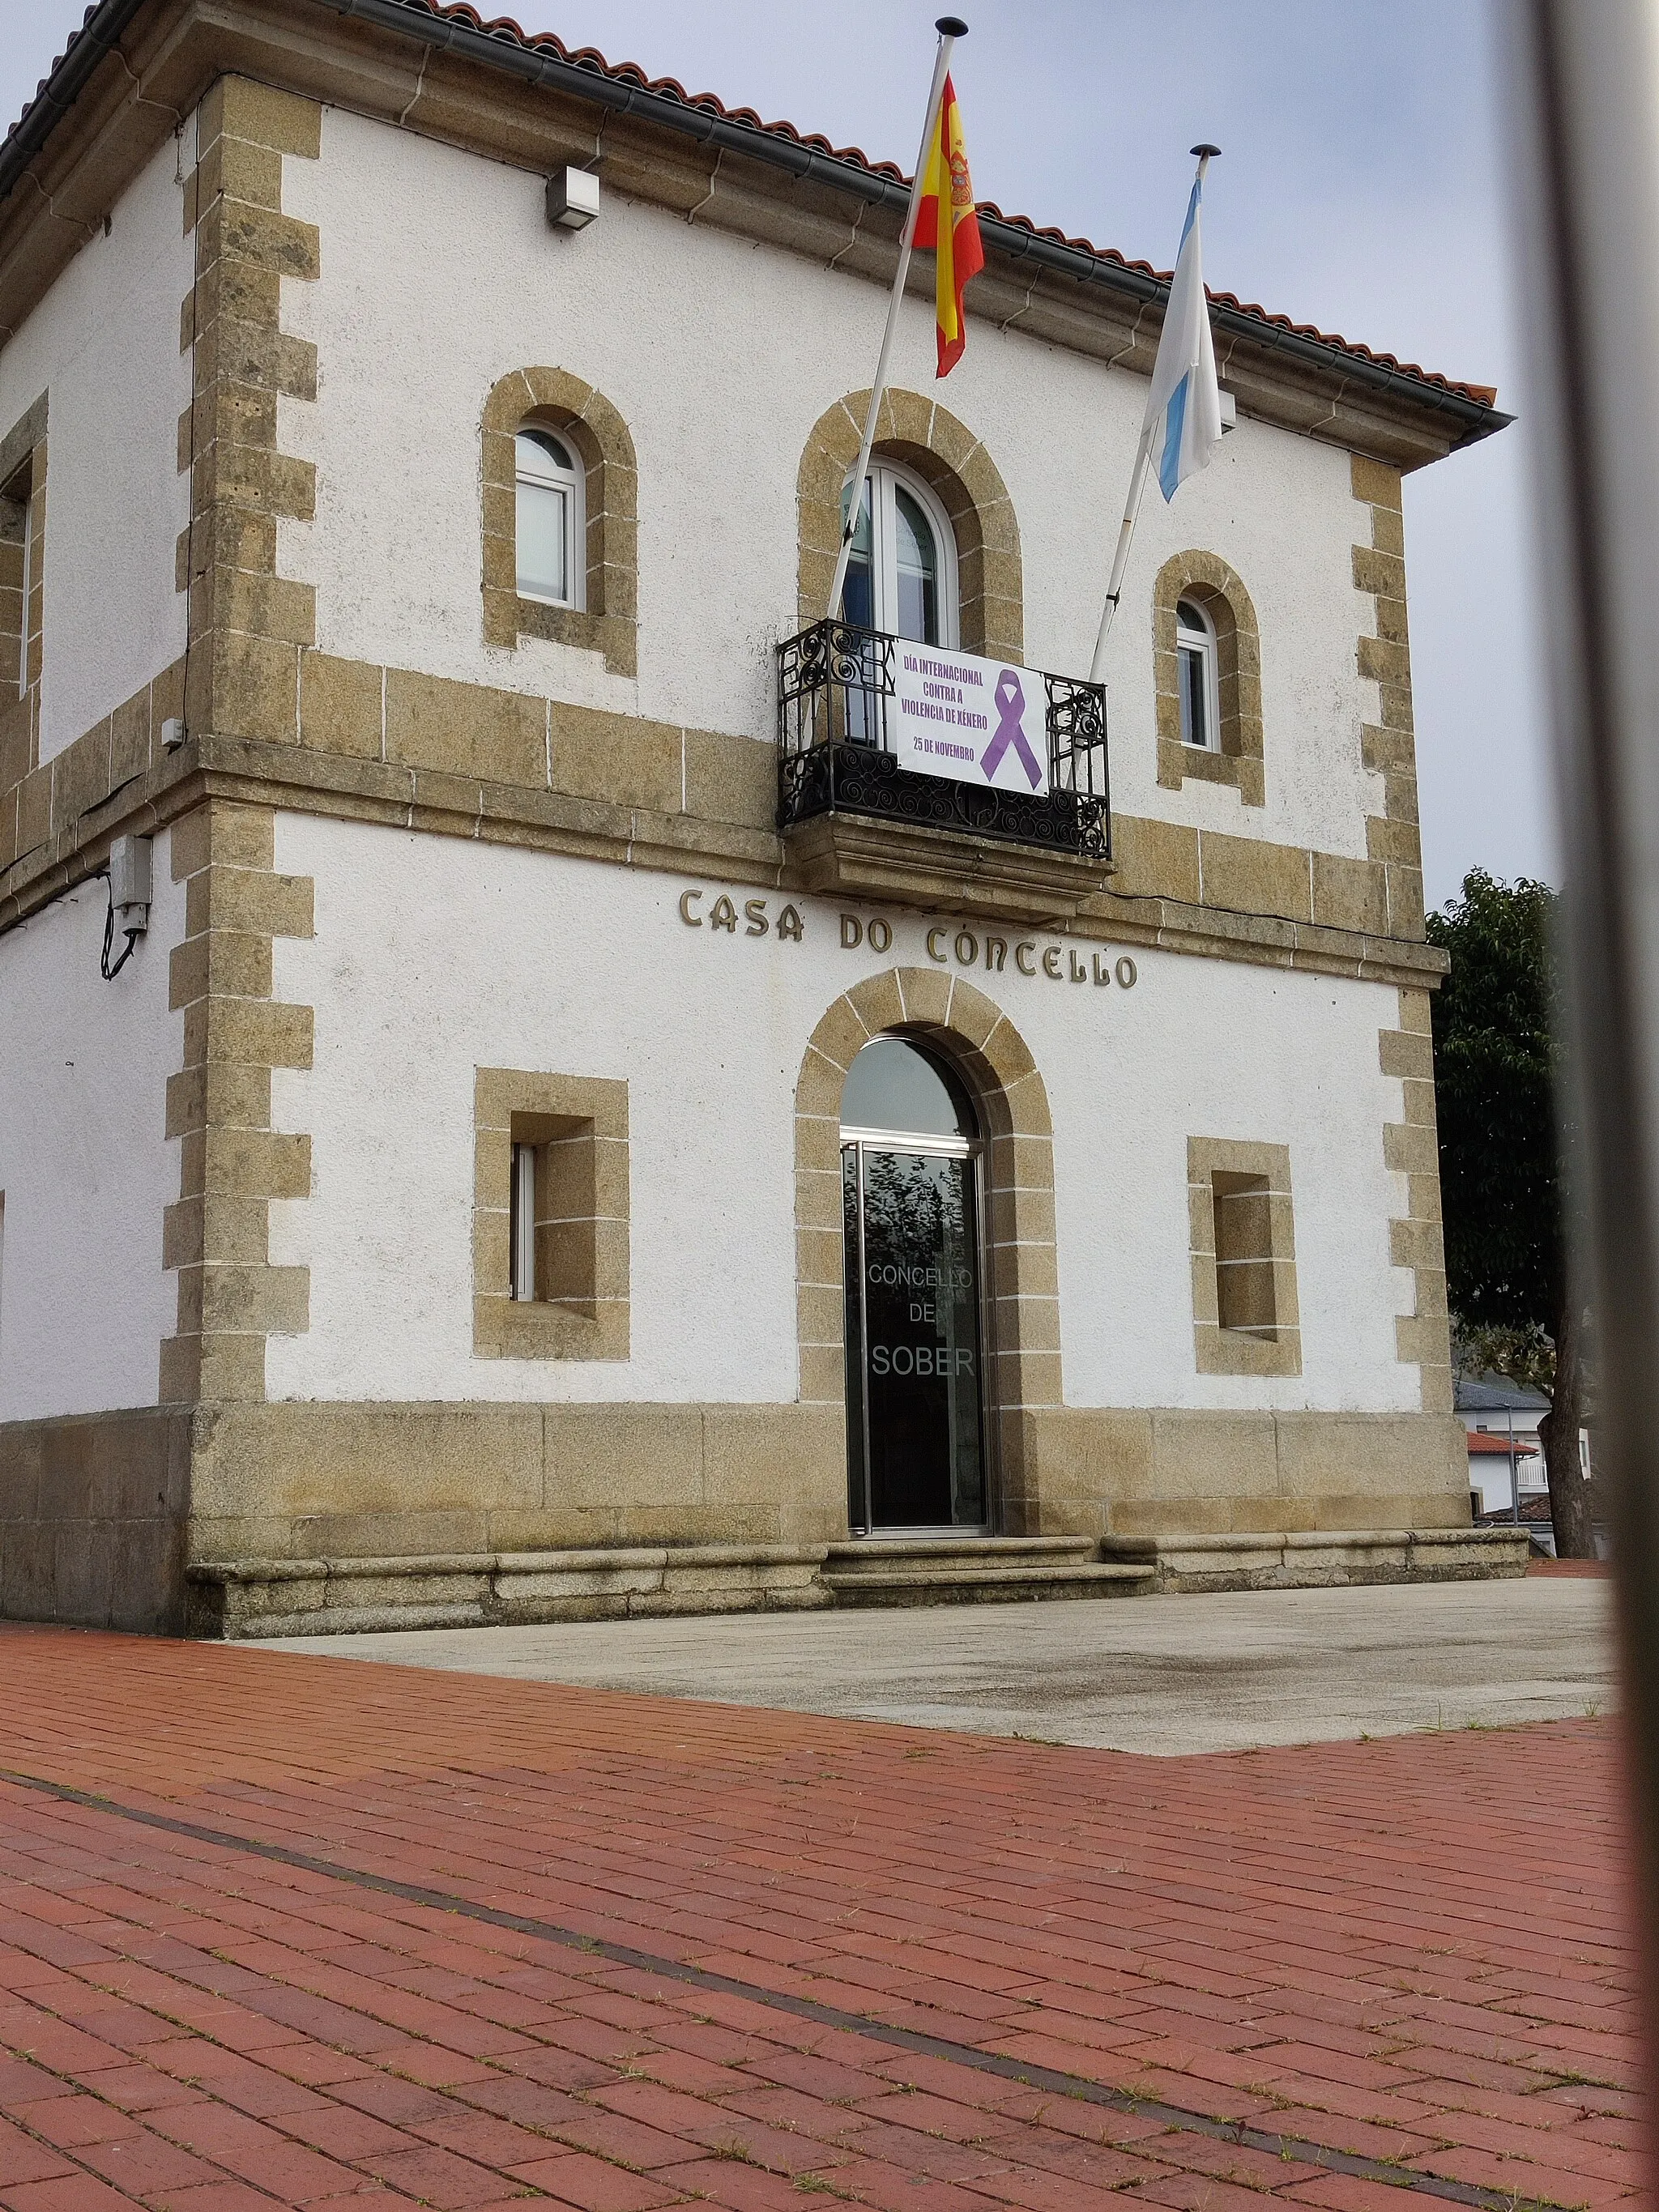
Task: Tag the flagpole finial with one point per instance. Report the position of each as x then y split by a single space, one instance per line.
951 27
1205 152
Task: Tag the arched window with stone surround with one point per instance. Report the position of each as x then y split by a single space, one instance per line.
560 518
1207 654
924 445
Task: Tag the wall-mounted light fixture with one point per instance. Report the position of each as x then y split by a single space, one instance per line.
573 198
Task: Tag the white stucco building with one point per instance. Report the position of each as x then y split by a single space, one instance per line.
584 1127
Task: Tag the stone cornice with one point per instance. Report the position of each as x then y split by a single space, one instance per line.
443 804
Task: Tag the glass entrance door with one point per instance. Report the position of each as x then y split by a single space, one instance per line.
914 1395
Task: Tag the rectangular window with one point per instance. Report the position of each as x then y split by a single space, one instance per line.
1244 1254
22 529
1242 1251
550 1225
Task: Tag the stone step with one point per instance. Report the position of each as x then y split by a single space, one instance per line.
916 1582
879 1554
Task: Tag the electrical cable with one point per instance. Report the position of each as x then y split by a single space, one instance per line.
105 969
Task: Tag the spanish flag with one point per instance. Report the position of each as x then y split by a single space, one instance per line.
955 240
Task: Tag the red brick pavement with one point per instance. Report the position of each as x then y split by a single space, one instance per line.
1411 1950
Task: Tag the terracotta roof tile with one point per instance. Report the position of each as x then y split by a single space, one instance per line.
588 57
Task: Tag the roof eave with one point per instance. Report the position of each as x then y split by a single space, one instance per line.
1462 419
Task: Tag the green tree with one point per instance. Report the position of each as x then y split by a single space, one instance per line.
1496 1057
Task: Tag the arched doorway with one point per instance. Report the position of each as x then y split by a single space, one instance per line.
911 1149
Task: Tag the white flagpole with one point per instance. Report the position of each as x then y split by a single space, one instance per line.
950 29
1132 506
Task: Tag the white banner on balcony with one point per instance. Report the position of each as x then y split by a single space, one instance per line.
974 720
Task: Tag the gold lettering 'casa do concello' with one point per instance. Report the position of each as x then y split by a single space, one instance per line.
943 943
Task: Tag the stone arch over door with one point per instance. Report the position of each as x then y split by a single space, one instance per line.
947 455
1022 1286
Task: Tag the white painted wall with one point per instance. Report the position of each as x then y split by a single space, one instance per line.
104 345
85 1165
440 275
435 955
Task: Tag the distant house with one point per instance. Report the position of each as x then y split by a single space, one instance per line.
1502 1419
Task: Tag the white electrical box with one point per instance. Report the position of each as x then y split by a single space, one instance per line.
573 198
1229 413
130 882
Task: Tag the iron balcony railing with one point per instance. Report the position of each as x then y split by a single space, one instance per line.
836 755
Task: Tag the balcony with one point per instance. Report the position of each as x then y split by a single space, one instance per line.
837 756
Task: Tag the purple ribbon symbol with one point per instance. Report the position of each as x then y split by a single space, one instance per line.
1010 700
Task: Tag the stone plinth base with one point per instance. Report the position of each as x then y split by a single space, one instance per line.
1312 1560
252 1598
246 1598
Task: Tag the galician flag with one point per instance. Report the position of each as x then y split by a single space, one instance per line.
953 235
1184 390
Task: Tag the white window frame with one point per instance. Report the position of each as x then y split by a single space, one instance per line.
1202 642
522 1224
28 499
884 476
572 482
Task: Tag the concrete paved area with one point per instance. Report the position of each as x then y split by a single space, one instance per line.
1158 1675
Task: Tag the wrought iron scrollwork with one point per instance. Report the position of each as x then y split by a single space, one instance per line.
834 683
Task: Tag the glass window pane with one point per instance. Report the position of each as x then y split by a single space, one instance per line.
539 450
893 1085
858 597
922 1396
857 602
1194 716
917 564
544 533
858 1502
916 548
1188 617
861 535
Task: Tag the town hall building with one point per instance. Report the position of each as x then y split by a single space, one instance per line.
523 1093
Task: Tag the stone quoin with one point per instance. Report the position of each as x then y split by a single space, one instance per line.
590 1125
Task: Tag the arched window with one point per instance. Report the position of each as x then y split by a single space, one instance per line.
1195 660
552 534
896 1085
901 575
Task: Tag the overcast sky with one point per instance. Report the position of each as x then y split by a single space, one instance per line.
1359 190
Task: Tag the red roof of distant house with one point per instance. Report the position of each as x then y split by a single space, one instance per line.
1481 1440
587 57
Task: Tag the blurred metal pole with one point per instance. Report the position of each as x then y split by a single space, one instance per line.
1583 80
